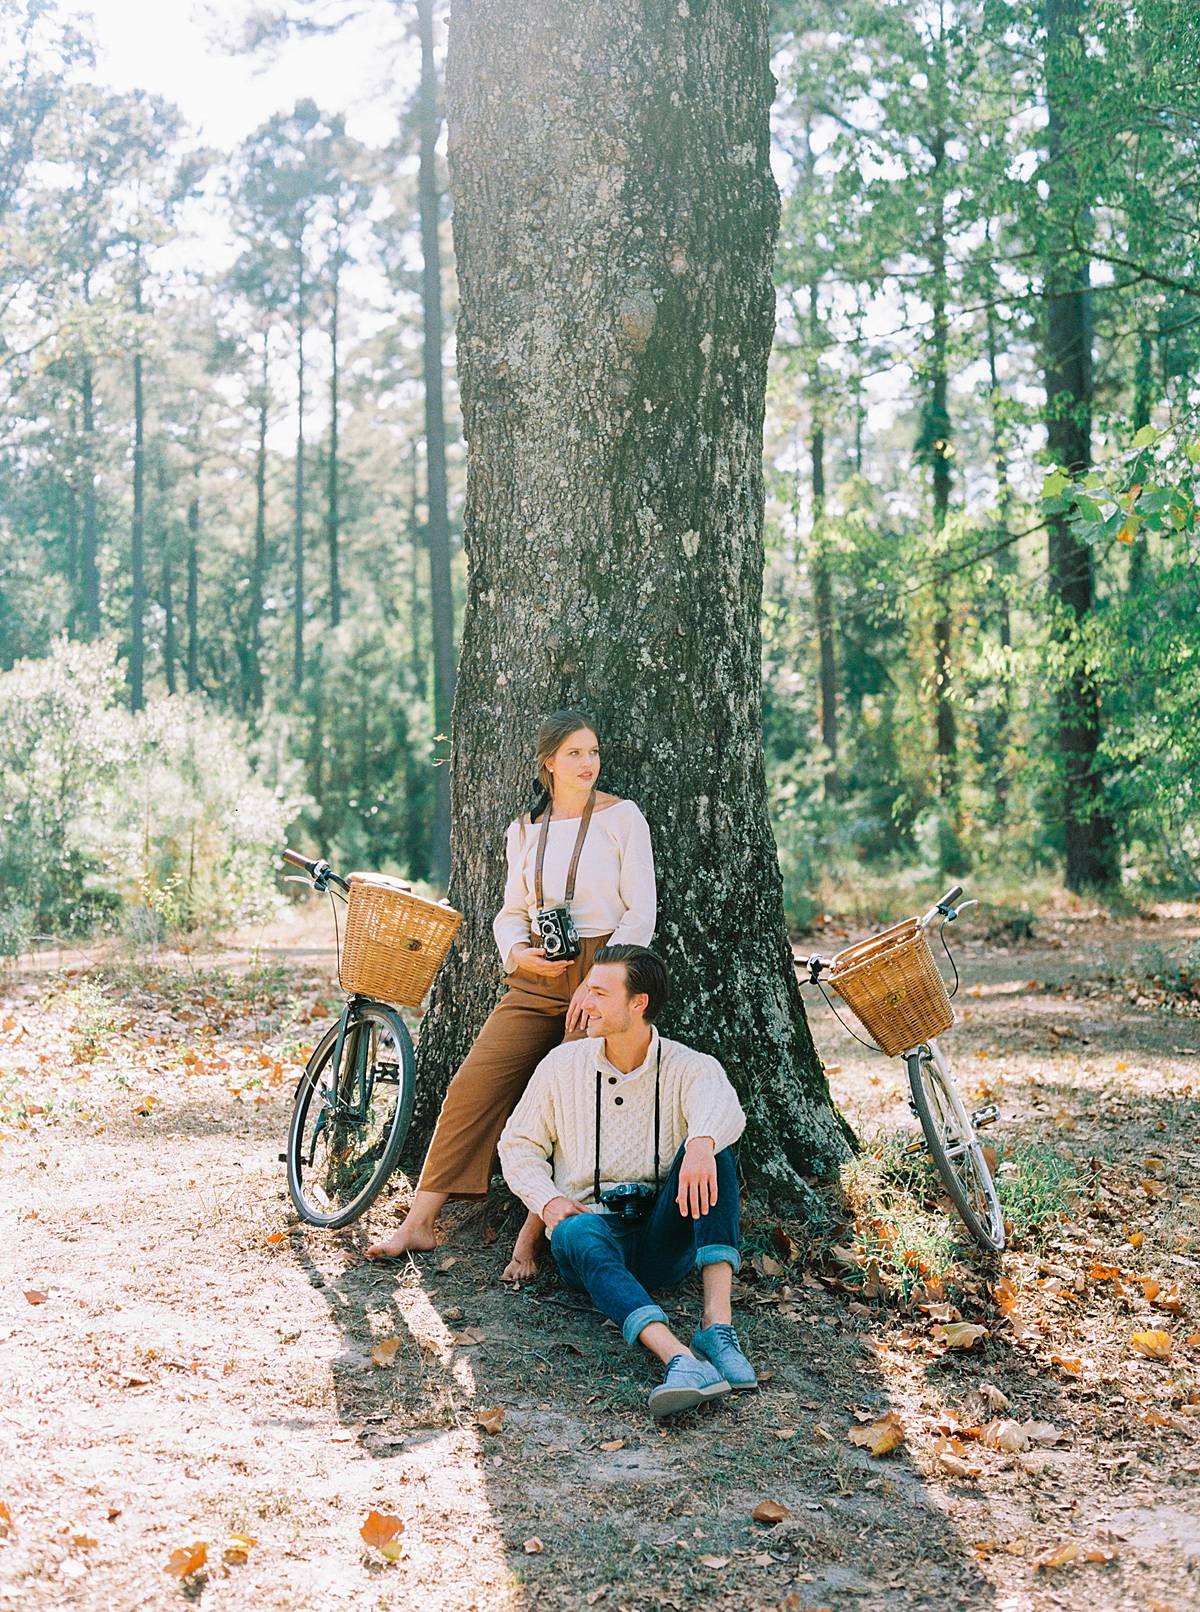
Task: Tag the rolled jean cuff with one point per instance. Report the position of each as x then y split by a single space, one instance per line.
718 1254
641 1318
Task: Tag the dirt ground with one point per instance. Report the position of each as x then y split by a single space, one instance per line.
183 1365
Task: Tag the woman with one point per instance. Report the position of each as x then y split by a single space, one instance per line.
579 848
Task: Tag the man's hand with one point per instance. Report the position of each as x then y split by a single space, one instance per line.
560 1209
697 1177
533 960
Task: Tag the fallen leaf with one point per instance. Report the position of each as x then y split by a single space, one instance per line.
1172 1303
959 1334
1074 1551
383 1354
1005 1295
237 1550
1149 1286
951 1456
715 1562
276 1237
770 1511
784 1432
613 1444
188 1559
992 1397
34 1296
1136 1239
1041 1432
5 1519
534 1547
379 1528
1153 1345
766 1266
1073 1368
492 1420
1004 1434
468 1337
880 1437
1152 1188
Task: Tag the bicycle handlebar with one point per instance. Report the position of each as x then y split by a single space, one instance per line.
815 966
318 870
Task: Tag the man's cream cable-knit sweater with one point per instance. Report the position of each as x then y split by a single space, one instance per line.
548 1149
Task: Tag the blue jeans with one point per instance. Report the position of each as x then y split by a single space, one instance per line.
614 1260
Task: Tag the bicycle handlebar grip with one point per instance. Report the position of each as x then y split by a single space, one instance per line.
298 861
951 896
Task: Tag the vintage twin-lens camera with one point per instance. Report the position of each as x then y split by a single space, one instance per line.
556 930
631 1200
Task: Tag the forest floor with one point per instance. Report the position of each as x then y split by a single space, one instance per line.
185 1367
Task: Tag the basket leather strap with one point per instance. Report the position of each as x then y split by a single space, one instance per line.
544 835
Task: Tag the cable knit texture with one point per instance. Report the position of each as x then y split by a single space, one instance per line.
548 1149
614 884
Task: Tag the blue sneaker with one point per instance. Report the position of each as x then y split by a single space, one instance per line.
718 1344
688 1383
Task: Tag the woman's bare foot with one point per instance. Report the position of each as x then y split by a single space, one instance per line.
415 1234
527 1252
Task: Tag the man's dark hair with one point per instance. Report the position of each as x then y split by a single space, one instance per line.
645 975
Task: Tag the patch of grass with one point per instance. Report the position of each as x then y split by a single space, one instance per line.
89 1016
1036 1186
901 1240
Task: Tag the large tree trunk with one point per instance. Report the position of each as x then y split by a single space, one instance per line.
614 257
437 518
1089 839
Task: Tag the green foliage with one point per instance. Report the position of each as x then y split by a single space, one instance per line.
163 816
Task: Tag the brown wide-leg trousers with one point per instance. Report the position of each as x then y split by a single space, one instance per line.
521 1029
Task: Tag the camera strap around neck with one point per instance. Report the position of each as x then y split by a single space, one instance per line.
544 835
657 1079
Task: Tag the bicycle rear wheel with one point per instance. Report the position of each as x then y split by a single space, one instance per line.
954 1147
351 1115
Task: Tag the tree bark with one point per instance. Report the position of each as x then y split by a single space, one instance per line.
331 499
89 563
1143 406
437 518
258 567
819 561
137 602
1089 839
170 647
937 433
616 311
416 627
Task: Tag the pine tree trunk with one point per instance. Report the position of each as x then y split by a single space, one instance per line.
437 517
137 602
614 255
89 562
819 562
258 567
331 499
1005 560
1089 838
938 448
193 584
417 661
298 506
170 647
1143 405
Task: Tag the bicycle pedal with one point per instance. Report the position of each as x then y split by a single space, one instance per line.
914 1148
987 1115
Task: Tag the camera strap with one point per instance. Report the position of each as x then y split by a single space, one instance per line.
544 835
657 1119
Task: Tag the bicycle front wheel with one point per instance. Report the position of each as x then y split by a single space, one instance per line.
954 1147
351 1115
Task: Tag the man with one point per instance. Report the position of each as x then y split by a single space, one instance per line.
609 1112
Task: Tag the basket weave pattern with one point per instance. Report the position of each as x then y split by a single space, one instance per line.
891 983
395 941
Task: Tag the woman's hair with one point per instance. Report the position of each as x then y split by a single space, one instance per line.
553 732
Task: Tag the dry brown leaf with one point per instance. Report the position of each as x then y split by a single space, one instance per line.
384 1354
492 1420
1136 1239
715 1562
1153 1188
34 1295
1005 1295
1074 1551
469 1337
1149 1286
276 1237
1041 1432
613 1444
1157 1419
1104 1273
237 1550
770 1511
879 1437
1153 1345
1073 1368
188 1559
951 1456
1172 1303
1004 1434
534 1547
766 1266
379 1528
5 1519
959 1334
991 1396
784 1432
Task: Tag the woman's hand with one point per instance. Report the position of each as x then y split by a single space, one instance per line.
576 1017
533 960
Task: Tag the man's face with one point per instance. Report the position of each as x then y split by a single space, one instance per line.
607 1003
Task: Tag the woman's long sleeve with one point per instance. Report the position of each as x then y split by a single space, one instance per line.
638 889
511 925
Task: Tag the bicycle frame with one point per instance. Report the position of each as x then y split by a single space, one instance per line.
362 1078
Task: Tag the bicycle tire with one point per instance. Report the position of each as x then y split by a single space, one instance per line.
954 1147
316 1202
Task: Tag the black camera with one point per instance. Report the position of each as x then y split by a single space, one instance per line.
631 1200
556 933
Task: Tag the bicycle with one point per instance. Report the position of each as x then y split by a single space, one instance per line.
892 984
354 1102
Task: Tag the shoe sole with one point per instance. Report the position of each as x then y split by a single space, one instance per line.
670 1401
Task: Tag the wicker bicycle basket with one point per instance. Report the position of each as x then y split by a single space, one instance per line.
892 984
395 941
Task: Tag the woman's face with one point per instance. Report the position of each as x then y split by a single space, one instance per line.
576 761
